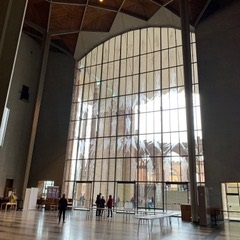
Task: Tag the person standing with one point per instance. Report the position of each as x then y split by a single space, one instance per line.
12 198
110 205
102 205
98 203
83 199
62 206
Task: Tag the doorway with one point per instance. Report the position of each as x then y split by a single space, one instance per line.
231 200
8 187
126 196
82 195
150 195
175 195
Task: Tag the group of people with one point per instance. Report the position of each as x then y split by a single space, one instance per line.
101 203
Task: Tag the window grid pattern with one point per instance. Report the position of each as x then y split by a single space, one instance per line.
128 118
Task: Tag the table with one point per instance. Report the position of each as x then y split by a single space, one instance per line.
53 209
151 218
93 209
127 212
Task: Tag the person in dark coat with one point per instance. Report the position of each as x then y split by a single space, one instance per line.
62 206
110 205
102 205
98 203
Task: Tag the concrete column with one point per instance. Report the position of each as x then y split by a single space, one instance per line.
12 14
37 110
185 25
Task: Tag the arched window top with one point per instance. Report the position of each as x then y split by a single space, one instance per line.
128 121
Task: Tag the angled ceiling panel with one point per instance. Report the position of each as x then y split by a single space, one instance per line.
96 19
140 8
38 12
195 9
79 2
66 17
66 42
114 5
71 40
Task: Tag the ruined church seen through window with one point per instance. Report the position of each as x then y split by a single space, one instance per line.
128 131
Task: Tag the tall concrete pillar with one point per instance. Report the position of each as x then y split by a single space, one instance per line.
189 106
11 20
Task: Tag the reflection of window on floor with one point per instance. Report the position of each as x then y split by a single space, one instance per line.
128 120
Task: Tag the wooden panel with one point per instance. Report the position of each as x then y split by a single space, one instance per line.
186 213
98 20
66 17
141 9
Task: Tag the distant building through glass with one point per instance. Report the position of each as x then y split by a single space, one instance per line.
128 132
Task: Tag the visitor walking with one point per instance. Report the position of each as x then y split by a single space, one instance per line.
62 206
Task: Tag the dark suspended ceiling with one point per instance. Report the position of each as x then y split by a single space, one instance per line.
66 19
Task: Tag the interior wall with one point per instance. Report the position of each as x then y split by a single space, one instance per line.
11 17
13 154
218 48
51 138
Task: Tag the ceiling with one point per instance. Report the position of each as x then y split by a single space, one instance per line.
67 21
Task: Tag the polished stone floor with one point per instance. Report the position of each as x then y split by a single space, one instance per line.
24 225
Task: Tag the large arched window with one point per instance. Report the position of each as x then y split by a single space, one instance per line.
128 133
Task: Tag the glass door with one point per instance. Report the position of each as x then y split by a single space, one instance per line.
82 195
232 201
126 196
175 195
149 195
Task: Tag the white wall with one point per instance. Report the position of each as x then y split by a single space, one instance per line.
218 47
30 200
